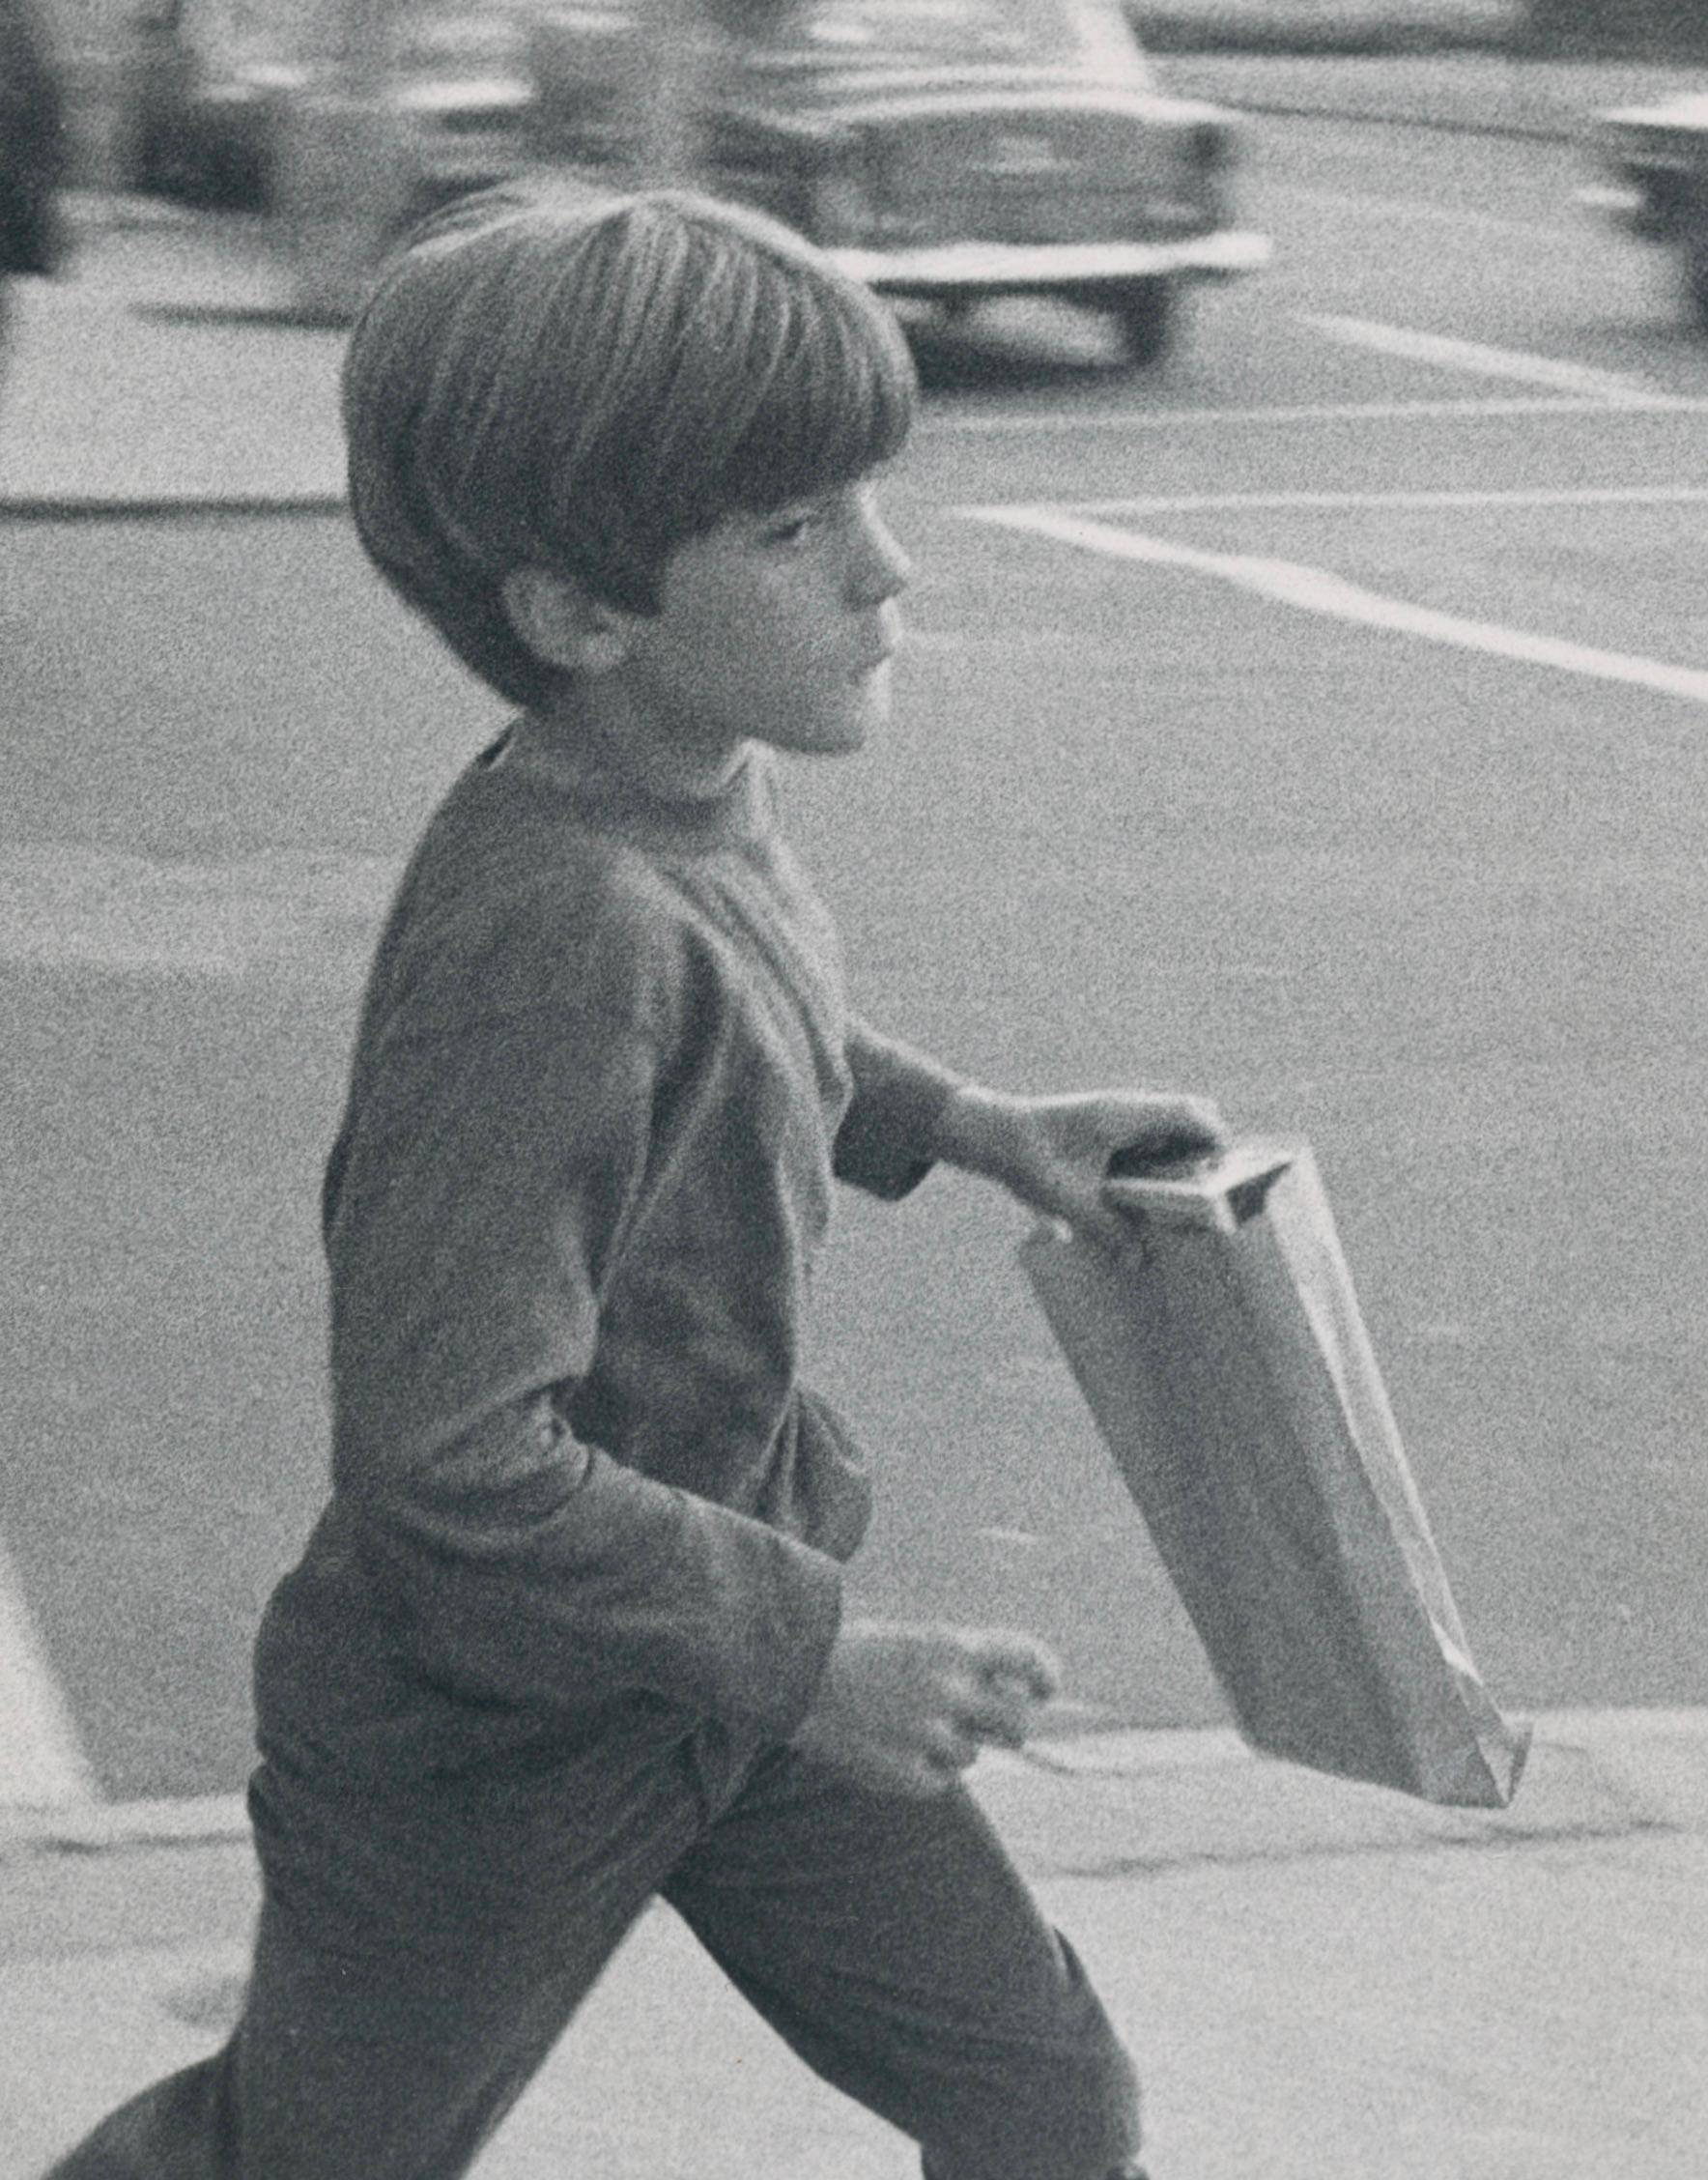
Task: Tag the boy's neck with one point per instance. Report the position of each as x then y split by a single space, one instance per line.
594 725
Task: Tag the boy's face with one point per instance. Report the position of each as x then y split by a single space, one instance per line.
776 628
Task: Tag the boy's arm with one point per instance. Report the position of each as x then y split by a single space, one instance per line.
553 1575
888 1139
1052 1153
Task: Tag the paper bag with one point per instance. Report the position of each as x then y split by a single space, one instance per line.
1227 1366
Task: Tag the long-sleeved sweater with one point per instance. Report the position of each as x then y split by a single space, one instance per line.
603 1082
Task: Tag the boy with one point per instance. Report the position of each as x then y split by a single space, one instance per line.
569 1634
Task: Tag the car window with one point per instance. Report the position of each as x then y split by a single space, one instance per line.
933 29
938 33
247 34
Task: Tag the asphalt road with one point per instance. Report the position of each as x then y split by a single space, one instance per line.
1321 726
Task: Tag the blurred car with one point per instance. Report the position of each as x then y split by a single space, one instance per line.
943 151
208 79
1655 158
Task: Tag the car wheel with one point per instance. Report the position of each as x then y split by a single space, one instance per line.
152 153
1695 277
149 166
1147 314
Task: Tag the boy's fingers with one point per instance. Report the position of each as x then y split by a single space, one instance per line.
1004 1714
1019 1659
1180 1129
1199 1117
953 1747
914 1778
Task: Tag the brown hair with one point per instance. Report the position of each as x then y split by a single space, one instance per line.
582 382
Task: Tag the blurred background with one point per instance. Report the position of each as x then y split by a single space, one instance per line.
135 74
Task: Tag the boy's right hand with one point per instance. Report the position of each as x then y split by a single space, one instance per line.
905 1709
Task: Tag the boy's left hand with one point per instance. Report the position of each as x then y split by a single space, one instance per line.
1054 1153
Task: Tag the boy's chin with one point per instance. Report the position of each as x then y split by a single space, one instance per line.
853 734
841 734
871 708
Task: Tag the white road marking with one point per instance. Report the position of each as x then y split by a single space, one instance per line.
937 422
1431 215
1476 356
1569 495
41 1761
65 903
1318 591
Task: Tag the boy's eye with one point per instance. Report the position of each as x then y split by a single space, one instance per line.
790 528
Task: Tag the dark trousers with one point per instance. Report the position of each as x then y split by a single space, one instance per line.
417 1958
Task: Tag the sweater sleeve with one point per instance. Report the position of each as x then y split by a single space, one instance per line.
887 1142
480 1196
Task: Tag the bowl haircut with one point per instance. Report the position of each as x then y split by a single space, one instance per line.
581 381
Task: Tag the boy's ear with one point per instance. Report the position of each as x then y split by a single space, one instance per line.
561 624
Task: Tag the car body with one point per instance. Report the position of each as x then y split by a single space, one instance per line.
942 150
1655 161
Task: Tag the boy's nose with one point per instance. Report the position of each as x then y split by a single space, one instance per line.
882 567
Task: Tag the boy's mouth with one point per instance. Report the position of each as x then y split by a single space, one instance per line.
880 659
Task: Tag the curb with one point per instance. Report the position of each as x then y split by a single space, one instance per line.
1114 1802
121 1828
212 505
1119 1804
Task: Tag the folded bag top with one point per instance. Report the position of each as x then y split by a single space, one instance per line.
1227 1366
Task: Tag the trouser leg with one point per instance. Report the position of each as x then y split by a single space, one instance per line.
179 2130
414 1966
893 1943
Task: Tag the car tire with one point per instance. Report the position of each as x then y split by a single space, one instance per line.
1147 314
1696 277
148 162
